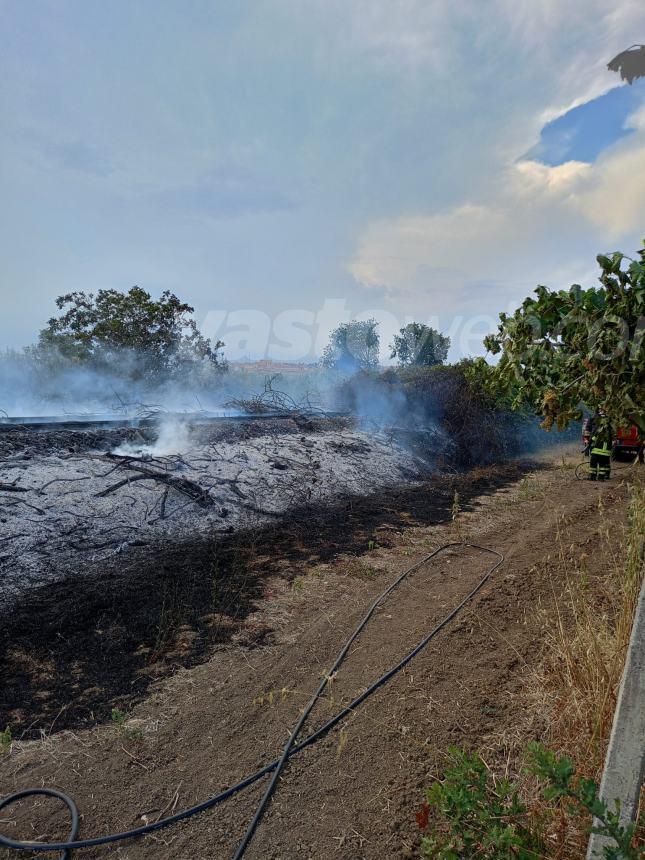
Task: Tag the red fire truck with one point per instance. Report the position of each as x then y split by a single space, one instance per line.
628 443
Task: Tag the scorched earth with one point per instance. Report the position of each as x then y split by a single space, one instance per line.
69 501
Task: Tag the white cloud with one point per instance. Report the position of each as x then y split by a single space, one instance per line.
636 120
613 198
531 178
544 225
391 252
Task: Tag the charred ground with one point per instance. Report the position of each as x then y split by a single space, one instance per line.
71 650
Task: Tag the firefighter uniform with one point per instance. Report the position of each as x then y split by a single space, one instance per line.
600 457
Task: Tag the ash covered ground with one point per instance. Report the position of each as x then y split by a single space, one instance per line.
74 500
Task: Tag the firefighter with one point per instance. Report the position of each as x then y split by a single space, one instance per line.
599 448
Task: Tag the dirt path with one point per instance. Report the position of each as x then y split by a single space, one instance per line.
354 794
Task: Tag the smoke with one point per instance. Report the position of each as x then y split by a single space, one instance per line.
378 403
435 411
386 399
174 437
438 412
32 386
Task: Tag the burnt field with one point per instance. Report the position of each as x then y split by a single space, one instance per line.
119 559
119 567
73 500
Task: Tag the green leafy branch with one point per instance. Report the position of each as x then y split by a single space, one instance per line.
475 815
559 773
569 349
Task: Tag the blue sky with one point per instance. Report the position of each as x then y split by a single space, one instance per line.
582 133
407 158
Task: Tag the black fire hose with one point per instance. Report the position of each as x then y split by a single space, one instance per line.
290 749
582 470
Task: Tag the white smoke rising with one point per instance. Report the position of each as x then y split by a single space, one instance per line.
34 391
174 437
30 387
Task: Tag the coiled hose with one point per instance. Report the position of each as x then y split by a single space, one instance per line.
581 472
291 748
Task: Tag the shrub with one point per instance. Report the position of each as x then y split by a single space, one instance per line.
477 428
475 815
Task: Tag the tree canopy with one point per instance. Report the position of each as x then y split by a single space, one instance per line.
130 332
353 346
630 63
419 345
568 350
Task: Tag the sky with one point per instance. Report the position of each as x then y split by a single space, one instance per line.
283 165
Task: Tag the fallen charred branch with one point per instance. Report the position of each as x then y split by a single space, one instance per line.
13 537
63 481
26 504
274 401
13 488
129 480
182 485
162 509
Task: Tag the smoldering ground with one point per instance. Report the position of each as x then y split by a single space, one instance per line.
63 508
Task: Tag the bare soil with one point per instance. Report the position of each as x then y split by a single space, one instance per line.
212 687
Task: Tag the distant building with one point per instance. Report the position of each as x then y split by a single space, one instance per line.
269 367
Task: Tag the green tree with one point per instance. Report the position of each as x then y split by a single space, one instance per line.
353 346
572 349
128 332
420 345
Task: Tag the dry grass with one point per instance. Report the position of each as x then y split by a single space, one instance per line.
586 644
